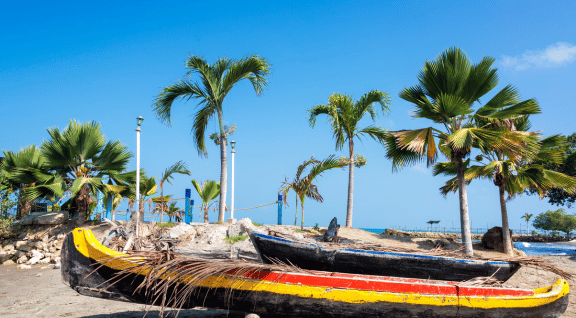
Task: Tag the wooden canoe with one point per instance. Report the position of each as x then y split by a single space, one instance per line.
315 257
310 294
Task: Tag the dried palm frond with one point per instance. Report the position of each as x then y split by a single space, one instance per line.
170 279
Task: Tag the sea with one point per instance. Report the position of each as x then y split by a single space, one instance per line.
555 249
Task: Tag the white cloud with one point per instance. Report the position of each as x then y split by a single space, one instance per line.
554 55
420 167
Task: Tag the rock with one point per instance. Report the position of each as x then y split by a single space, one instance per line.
8 262
22 259
23 266
35 253
246 224
22 235
52 250
25 248
20 244
9 247
235 230
4 257
251 316
181 230
215 234
56 266
44 261
46 238
34 260
44 218
331 234
493 239
60 236
19 254
39 245
56 260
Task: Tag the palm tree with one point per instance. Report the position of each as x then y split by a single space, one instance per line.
306 186
179 167
344 115
514 176
448 89
148 187
27 169
216 82
527 217
86 163
208 191
296 184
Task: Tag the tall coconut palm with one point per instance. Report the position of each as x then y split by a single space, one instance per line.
296 186
306 184
527 216
208 191
86 162
344 115
216 81
449 88
179 167
514 176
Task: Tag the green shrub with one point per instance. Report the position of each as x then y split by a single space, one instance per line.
166 224
235 239
316 227
256 224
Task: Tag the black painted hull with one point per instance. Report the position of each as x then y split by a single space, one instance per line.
84 275
313 257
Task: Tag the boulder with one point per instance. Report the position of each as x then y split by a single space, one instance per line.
35 253
26 248
181 230
22 259
4 257
44 218
23 266
493 239
34 260
235 230
44 261
246 224
215 234
20 244
39 245
9 247
8 262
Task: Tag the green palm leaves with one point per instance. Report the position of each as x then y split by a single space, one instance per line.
303 185
448 89
344 115
208 191
215 82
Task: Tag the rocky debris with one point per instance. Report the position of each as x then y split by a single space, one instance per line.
44 248
493 239
23 266
181 230
441 243
401 233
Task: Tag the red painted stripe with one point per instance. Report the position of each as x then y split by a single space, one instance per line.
379 283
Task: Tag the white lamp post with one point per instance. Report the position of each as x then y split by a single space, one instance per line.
139 122
232 144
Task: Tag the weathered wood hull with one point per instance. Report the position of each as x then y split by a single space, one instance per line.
311 295
314 257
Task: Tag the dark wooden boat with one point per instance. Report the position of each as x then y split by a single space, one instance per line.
315 257
89 267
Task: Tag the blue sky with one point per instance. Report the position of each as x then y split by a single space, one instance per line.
106 61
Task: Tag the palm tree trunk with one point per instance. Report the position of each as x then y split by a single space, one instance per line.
506 240
82 201
223 170
350 185
206 214
302 224
24 207
161 203
464 217
296 215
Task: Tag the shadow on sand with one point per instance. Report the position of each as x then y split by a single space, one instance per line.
200 312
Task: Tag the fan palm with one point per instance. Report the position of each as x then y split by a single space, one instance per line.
86 163
306 187
208 191
514 177
27 169
148 187
296 186
448 89
179 167
216 81
344 115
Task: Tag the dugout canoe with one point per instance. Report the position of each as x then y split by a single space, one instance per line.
89 267
345 260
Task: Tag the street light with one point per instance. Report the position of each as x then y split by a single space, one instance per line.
232 144
139 121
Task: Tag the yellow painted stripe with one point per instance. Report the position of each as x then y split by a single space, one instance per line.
87 244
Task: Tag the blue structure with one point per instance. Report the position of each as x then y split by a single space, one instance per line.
187 212
279 209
